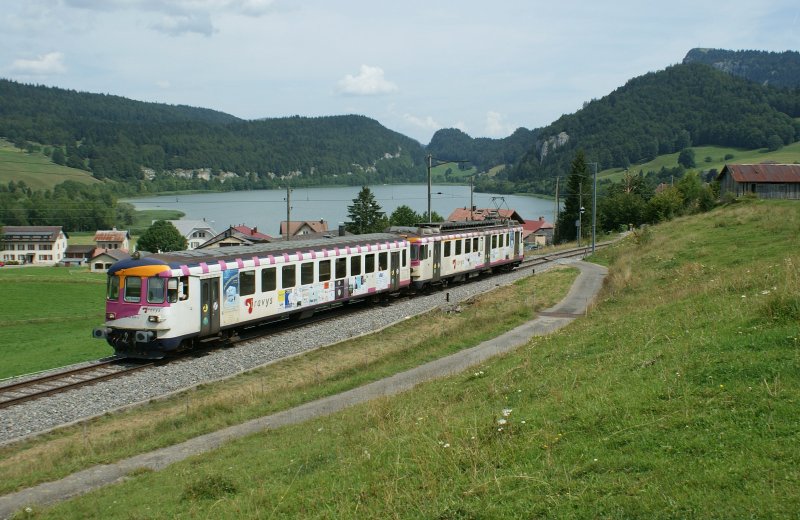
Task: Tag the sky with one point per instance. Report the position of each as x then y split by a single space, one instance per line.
415 66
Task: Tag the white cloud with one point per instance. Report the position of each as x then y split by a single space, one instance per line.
495 126
176 25
426 122
50 63
368 82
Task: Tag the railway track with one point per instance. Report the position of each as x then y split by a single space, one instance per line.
58 382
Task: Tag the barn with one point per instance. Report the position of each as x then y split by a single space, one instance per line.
765 181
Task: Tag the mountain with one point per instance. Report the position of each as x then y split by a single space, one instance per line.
659 113
117 138
451 144
777 69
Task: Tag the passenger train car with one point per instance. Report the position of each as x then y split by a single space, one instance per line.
171 301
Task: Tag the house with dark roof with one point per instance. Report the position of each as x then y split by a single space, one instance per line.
35 245
240 235
304 227
765 181
77 255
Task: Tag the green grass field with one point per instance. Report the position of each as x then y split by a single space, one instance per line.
35 169
786 155
675 397
47 317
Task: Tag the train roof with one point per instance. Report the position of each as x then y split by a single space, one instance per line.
195 256
447 228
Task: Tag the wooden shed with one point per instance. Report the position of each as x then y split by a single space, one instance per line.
766 181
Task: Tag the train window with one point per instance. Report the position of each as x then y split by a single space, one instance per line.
341 268
383 261
247 282
112 288
155 289
447 248
423 252
414 252
268 282
405 260
288 276
324 270
369 263
133 289
306 273
355 265
475 246
468 245
458 247
172 290
494 241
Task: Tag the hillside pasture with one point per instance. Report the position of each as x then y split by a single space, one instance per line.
35 169
787 155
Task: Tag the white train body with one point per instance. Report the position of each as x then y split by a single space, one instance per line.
170 301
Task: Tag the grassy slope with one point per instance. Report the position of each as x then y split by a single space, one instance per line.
676 397
36 170
788 155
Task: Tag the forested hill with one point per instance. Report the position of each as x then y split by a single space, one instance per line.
118 138
662 112
451 144
778 69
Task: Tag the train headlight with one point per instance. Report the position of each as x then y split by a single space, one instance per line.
111 316
154 319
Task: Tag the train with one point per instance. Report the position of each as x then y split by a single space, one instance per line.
168 302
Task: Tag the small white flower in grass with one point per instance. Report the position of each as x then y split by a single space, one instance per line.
743 296
507 412
501 421
595 460
766 291
499 429
523 422
446 445
28 510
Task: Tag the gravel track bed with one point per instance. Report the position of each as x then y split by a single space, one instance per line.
39 416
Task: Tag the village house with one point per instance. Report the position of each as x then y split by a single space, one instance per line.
240 235
765 181
113 239
103 259
303 227
462 214
196 232
78 255
33 245
537 233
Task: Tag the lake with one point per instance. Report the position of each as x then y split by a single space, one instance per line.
265 209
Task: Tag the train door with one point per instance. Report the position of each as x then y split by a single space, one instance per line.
517 244
394 266
209 306
487 249
437 261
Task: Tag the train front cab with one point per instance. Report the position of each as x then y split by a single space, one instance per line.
148 311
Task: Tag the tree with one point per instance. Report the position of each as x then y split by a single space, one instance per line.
365 214
404 216
578 197
162 236
686 158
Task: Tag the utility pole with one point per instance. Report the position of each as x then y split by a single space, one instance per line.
430 165
288 211
471 206
580 211
594 207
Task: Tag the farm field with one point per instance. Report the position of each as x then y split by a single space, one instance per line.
47 317
675 397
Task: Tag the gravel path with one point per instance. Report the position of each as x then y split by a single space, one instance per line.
39 416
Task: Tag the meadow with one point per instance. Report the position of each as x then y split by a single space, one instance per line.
675 397
47 317
708 157
35 169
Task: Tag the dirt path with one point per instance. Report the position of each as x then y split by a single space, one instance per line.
575 304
